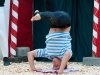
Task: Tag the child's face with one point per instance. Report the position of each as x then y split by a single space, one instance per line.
56 63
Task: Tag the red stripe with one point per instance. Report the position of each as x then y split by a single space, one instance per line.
14 33
97 1
95 11
14 20
93 53
94 41
15 8
95 26
13 45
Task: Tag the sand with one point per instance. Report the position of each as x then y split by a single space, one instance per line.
24 69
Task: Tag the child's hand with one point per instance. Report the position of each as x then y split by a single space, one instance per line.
60 72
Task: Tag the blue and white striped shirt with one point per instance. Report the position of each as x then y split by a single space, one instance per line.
56 45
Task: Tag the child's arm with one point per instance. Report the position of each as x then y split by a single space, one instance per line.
31 56
64 61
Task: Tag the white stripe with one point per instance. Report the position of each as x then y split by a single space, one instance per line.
94 48
96 4
13 39
55 44
95 33
15 2
14 26
54 48
95 19
15 14
12 51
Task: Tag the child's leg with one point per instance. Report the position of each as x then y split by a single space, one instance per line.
31 56
64 61
35 53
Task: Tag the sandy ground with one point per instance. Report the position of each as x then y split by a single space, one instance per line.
24 69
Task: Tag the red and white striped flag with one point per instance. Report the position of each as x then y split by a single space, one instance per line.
95 26
14 26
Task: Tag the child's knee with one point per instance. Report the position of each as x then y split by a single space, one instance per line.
29 53
67 53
